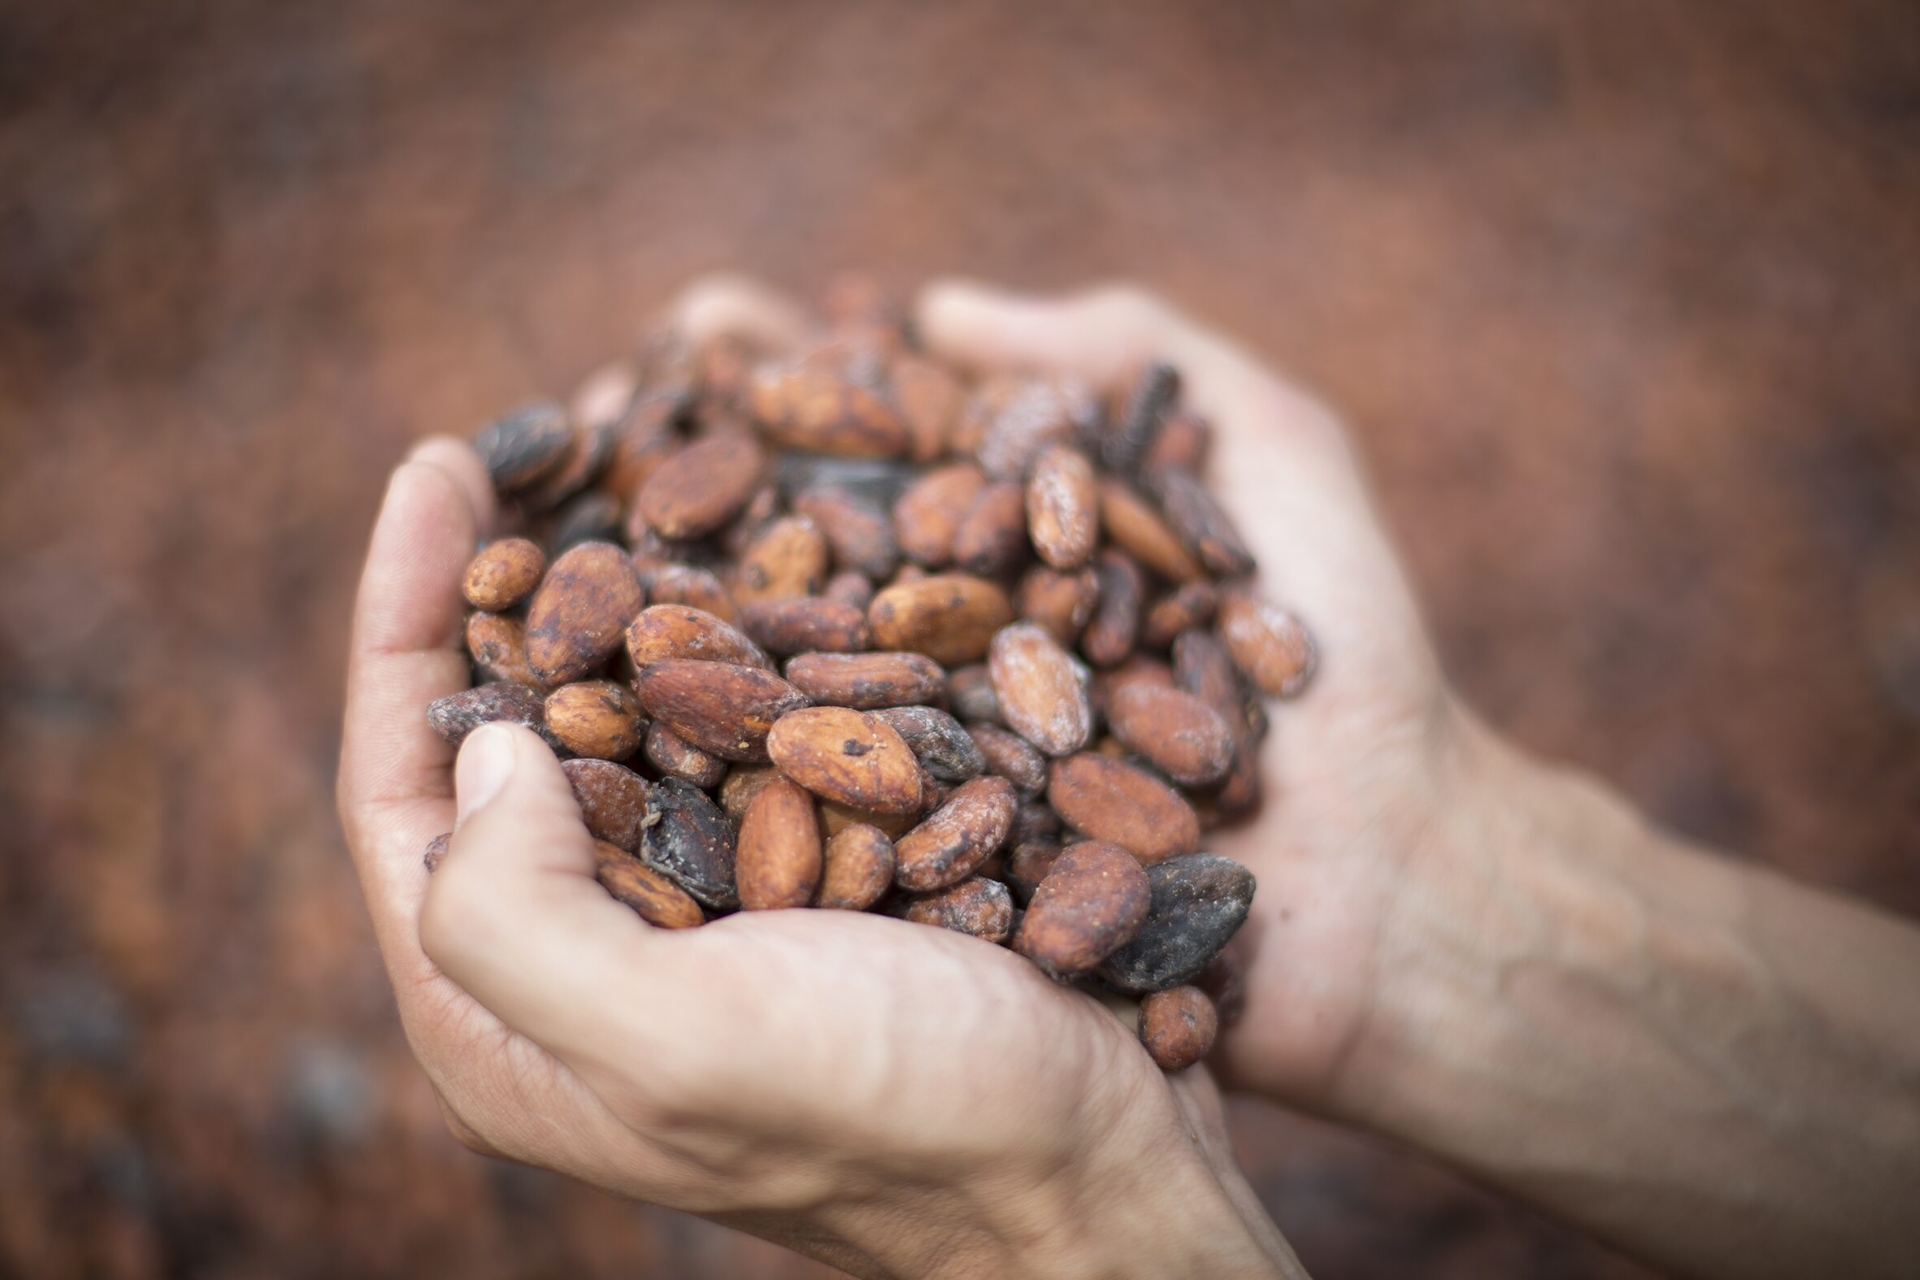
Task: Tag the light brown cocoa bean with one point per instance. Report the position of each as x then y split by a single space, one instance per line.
1187 607
1010 756
1063 507
977 906
1270 645
1028 865
1040 688
787 558
848 757
1178 1027
859 533
644 438
663 631
957 838
719 707
580 612
931 508
1090 904
1112 800
1177 733
858 868
504 573
806 624
1115 626
595 718
991 539
929 398
851 588
1063 603
1136 528
817 409
866 681
778 862
674 756
1202 524
655 897
612 799
741 785
497 643
699 489
692 586
950 617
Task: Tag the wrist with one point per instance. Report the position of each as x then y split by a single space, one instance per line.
1148 1193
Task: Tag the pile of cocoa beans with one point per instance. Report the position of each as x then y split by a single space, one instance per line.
848 631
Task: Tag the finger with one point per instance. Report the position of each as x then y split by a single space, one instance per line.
514 915
395 791
740 306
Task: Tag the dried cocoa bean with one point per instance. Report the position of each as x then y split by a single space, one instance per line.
1063 603
778 860
1040 688
524 445
943 748
978 906
654 896
459 714
674 756
720 707
858 868
1271 646
1178 1027
1010 756
595 718
806 624
866 681
957 838
1113 800
950 617
930 511
1063 507
686 838
612 799
702 487
504 573
1115 627
497 643
847 756
1197 903
1179 735
1090 904
580 612
664 631
859 533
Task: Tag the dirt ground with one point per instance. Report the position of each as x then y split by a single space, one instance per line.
1621 300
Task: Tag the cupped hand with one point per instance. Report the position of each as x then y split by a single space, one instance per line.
893 1098
1359 769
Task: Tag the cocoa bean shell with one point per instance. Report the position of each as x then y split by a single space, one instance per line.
931 508
859 533
524 445
1196 904
991 539
1269 645
687 839
497 643
1115 627
938 741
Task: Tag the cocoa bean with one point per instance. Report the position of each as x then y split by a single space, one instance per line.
1179 735
1115 627
950 617
806 624
654 896
663 631
1010 756
1113 800
612 799
1090 904
930 510
858 868
943 748
957 838
1271 646
674 756
978 906
866 681
720 707
1196 904
847 756
580 612
504 573
524 445
1063 507
702 487
778 859
595 718
1178 1027
1040 689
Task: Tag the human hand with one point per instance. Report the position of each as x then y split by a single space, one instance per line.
892 1098
1359 771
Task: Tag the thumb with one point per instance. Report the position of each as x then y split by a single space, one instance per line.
514 915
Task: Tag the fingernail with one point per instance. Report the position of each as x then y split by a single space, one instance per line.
486 762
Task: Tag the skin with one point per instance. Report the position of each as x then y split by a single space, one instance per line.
1452 945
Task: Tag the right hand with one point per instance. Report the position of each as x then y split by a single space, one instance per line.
1359 772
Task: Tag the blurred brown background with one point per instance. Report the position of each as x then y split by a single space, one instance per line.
1622 300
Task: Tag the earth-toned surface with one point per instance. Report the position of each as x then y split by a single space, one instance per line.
1621 301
